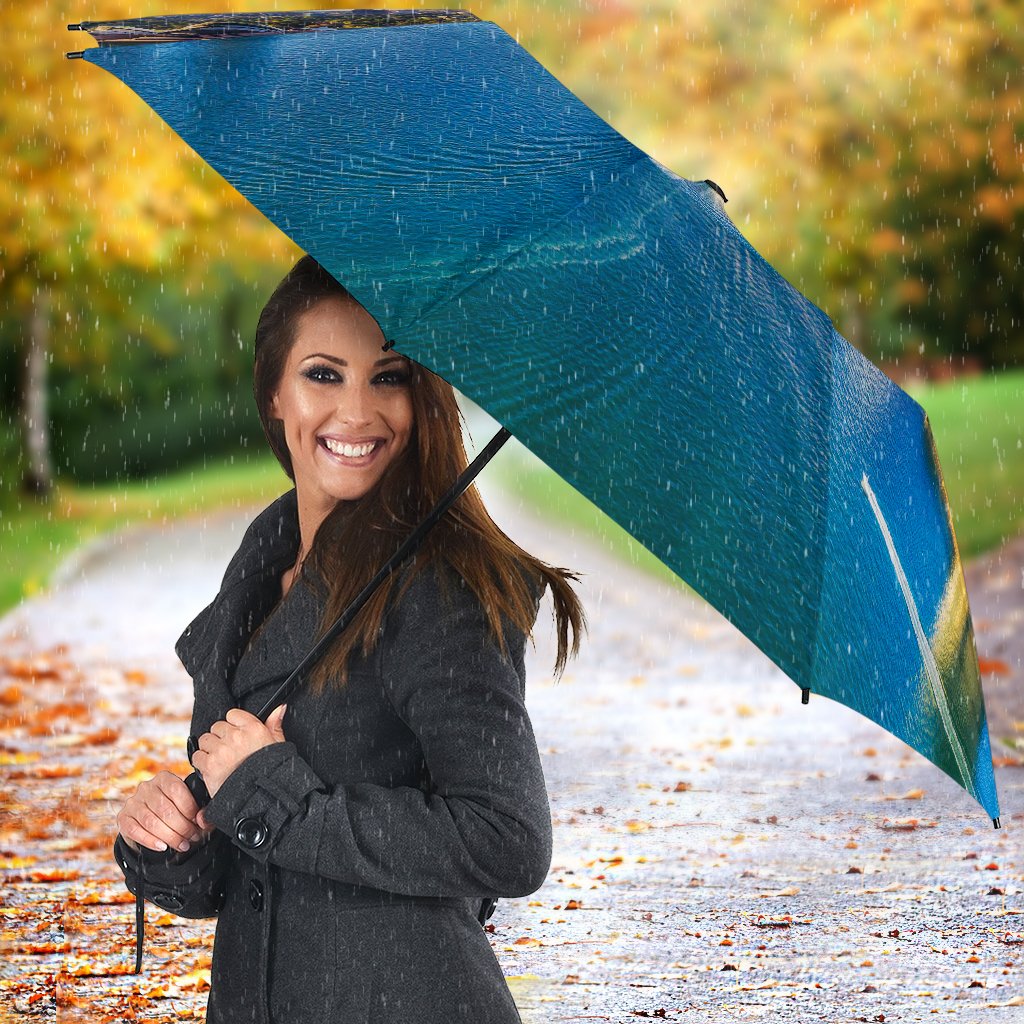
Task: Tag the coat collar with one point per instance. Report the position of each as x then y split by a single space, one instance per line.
212 644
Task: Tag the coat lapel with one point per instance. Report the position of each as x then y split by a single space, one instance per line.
280 645
212 644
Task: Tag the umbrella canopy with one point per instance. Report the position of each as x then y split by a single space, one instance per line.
608 314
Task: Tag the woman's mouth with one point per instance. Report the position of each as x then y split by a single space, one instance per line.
350 454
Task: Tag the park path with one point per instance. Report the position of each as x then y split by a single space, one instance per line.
721 851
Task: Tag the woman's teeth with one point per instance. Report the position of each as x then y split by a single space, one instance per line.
351 451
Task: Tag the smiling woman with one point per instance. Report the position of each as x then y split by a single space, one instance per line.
347 414
351 839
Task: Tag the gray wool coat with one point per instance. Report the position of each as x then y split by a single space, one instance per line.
353 856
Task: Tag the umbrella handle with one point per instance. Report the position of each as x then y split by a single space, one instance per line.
194 782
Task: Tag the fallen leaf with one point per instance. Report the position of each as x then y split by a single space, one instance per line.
47 771
993 667
11 694
636 825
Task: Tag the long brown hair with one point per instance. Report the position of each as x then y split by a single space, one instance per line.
357 537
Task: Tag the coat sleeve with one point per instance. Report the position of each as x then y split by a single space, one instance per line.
483 830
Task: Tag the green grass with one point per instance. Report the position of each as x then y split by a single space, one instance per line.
36 537
978 425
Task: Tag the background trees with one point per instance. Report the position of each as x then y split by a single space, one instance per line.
116 243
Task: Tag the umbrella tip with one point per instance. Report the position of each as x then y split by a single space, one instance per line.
75 55
718 188
995 823
75 28
805 695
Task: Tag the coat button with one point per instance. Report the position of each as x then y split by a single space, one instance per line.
251 832
167 901
255 894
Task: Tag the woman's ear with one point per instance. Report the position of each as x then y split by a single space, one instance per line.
275 413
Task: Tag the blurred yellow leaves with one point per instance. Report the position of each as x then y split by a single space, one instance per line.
93 178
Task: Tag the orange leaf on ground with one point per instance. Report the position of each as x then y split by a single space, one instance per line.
11 694
54 875
48 771
198 980
905 824
101 737
993 667
636 825
37 668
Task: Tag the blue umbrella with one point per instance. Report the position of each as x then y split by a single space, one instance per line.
608 314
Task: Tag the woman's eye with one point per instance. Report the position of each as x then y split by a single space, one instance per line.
320 373
394 377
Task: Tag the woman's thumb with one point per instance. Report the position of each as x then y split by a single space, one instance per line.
275 720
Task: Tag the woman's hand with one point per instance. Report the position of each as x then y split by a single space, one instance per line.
231 740
161 813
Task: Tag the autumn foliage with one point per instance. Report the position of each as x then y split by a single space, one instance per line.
66 919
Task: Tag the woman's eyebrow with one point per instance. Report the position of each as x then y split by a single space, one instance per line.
341 362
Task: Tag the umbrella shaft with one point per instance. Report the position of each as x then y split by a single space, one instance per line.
408 548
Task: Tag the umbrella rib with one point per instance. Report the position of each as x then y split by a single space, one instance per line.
927 656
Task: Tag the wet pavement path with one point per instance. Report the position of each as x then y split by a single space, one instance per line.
721 851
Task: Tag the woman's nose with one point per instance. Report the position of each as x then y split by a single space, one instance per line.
356 406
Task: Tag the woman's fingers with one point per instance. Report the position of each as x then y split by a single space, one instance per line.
178 793
242 719
160 814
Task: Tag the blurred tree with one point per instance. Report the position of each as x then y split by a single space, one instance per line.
918 114
96 185
874 153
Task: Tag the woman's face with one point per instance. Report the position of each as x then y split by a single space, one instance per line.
346 405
